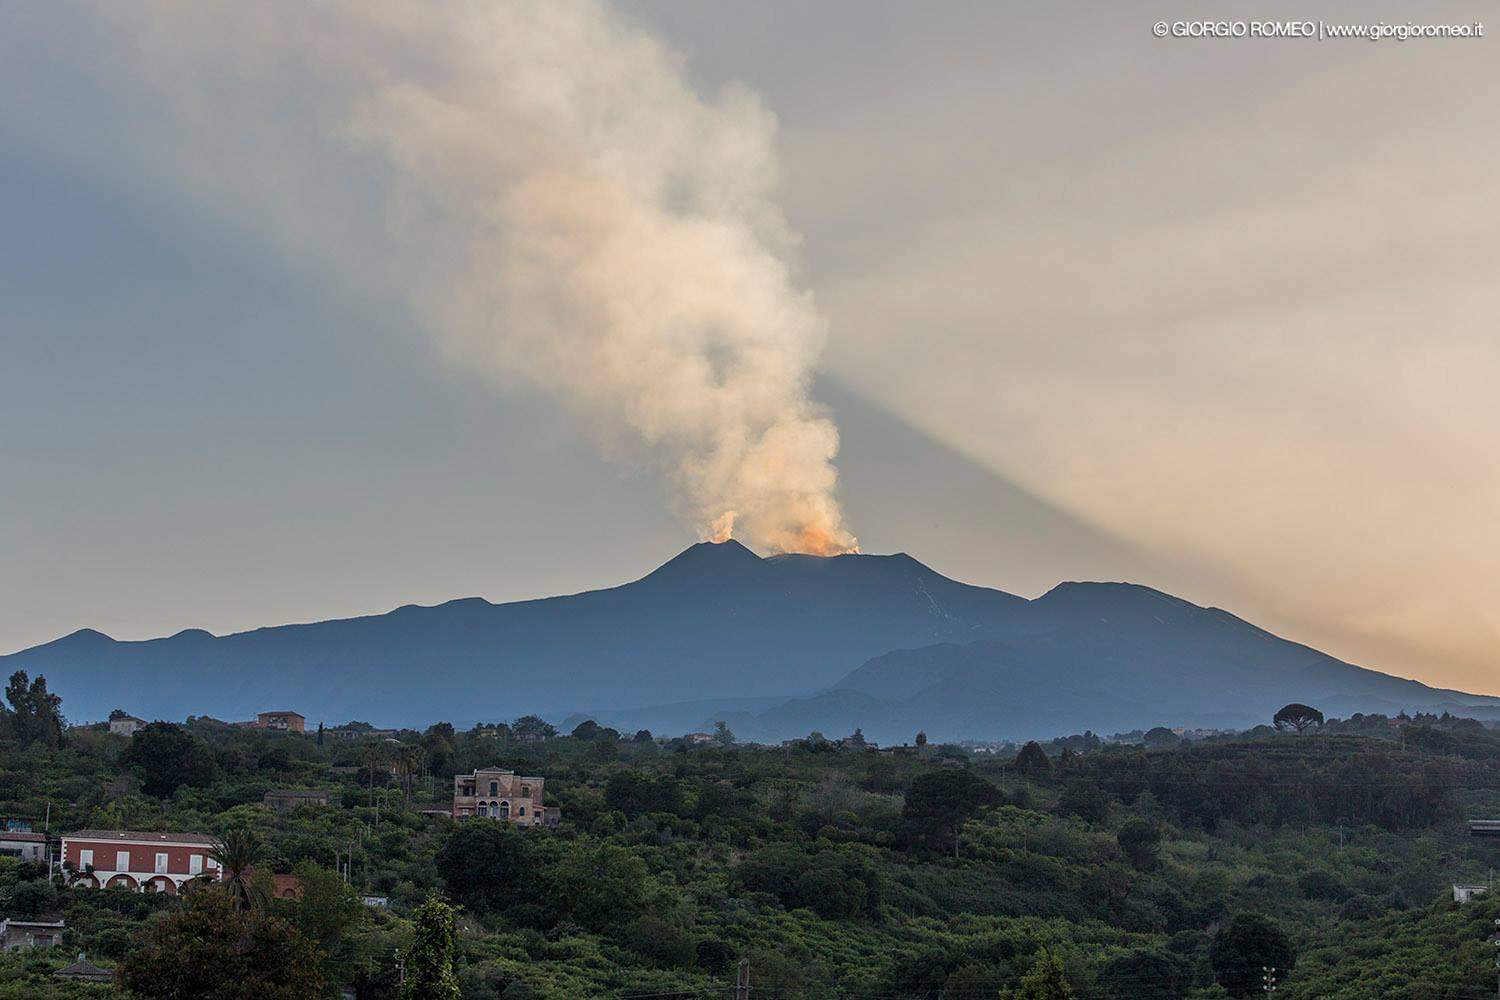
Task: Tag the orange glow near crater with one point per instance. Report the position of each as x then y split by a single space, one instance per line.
812 539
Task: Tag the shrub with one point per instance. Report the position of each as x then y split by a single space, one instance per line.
1244 948
1139 840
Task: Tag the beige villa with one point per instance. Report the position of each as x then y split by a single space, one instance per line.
498 794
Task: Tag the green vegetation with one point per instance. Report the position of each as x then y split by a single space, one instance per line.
1163 868
1298 717
210 947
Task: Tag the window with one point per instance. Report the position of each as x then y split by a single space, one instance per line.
195 864
122 861
161 864
525 791
494 788
85 858
505 810
521 811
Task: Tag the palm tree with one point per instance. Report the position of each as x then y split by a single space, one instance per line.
411 765
236 853
370 755
401 765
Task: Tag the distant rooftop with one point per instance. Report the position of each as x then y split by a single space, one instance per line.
150 836
85 970
305 793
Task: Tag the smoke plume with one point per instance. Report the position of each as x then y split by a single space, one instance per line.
542 187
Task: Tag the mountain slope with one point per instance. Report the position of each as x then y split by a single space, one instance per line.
717 622
1107 657
880 642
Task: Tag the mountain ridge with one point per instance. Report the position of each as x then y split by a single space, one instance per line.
715 621
880 638
1098 671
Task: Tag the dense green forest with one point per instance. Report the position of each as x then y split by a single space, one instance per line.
1086 868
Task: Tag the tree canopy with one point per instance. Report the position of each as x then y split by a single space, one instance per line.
169 757
938 803
35 713
429 960
208 948
1244 948
1298 717
832 871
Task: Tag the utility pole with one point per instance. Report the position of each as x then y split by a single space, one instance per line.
742 980
47 840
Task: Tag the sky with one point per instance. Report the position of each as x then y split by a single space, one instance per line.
1214 315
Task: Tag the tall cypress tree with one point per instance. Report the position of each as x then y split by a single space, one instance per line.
37 712
429 962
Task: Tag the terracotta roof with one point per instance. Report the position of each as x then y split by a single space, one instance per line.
154 837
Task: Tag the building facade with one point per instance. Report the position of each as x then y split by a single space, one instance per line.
354 735
289 722
286 887
1464 893
132 859
16 935
24 845
282 799
126 725
497 794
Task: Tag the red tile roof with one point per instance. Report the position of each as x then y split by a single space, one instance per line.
142 836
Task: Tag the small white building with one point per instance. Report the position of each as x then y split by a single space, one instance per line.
25 845
125 725
1464 893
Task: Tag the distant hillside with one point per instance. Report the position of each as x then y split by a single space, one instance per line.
1102 656
716 622
778 646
